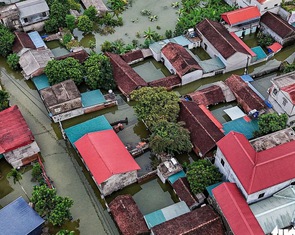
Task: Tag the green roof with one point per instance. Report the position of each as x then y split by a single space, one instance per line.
91 98
41 82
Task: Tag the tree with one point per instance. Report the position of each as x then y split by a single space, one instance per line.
48 203
17 177
61 70
201 174
264 40
170 137
99 72
70 22
6 40
289 68
154 104
271 122
91 12
118 6
37 171
65 232
85 24
149 34
12 61
4 100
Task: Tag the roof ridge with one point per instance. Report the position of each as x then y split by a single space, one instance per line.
242 146
281 20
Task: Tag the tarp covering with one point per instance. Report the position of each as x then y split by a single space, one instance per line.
99 123
176 176
234 113
41 82
91 98
18 218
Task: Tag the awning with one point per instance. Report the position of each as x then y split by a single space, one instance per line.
275 47
234 113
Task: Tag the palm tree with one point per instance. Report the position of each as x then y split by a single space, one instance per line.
149 34
17 177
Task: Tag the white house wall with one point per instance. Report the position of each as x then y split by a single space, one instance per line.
167 64
237 61
282 98
157 56
270 5
276 37
190 77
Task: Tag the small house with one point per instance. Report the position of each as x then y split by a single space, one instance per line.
33 62
168 82
126 78
246 97
62 100
248 167
279 29
179 60
168 168
242 21
282 95
79 54
17 142
32 14
217 41
10 16
133 57
203 132
200 221
237 216
127 216
18 218
22 41
97 4
109 162
262 5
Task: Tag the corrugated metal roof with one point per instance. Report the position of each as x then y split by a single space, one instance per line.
176 176
99 123
18 218
277 210
31 7
41 82
36 39
259 52
91 98
105 155
241 15
165 214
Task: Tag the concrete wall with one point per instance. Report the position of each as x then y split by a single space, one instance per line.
117 182
237 61
283 100
191 77
68 115
65 107
16 156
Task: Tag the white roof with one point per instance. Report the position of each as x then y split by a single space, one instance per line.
234 113
31 7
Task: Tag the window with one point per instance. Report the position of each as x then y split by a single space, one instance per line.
44 14
276 5
285 101
26 20
205 46
275 91
261 195
265 8
222 162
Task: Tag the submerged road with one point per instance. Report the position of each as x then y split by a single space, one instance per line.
88 214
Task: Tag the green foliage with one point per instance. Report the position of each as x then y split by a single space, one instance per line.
6 40
151 35
194 11
91 12
74 5
4 100
117 47
12 61
154 104
201 174
109 20
271 122
66 38
37 171
169 137
118 6
70 22
289 68
264 40
71 44
61 70
47 203
15 175
65 232
99 73
85 24
168 34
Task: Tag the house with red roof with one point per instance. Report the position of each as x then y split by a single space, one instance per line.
237 215
282 95
217 41
110 164
179 60
280 30
262 5
242 21
17 143
258 174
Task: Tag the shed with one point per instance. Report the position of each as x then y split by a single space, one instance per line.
41 81
31 7
168 168
98 4
200 221
81 55
18 218
21 41
128 216
166 214
133 56
168 82
37 40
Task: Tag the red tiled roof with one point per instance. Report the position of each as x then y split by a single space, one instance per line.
203 132
80 55
180 59
168 82
246 97
248 49
220 38
131 56
210 115
105 155
275 47
241 15
258 170
200 221
183 191
22 40
128 216
236 210
277 25
208 96
126 78
290 90
14 131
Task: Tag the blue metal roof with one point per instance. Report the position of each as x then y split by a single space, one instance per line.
242 126
18 218
247 78
41 82
99 123
259 52
91 98
165 214
176 176
37 39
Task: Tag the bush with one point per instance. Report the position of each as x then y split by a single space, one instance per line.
12 61
85 24
264 40
66 38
